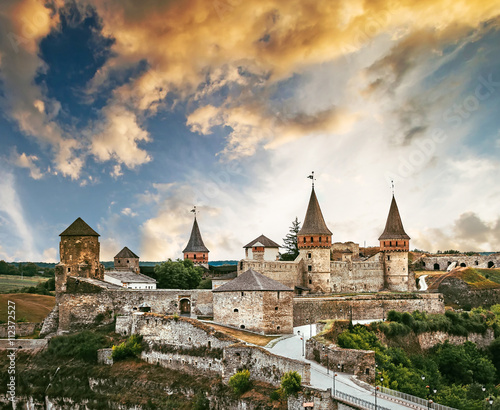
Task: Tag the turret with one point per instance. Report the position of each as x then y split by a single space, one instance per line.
196 249
126 260
395 244
314 241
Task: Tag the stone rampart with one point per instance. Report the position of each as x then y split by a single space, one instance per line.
183 362
263 365
428 340
320 399
441 262
26 344
77 310
358 362
360 307
22 329
287 272
357 276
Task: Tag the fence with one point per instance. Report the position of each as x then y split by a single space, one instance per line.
358 402
413 399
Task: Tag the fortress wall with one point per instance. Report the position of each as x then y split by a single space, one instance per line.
180 332
22 329
184 363
361 307
358 362
263 365
356 276
78 310
478 261
287 272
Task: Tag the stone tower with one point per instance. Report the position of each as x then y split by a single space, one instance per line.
126 260
79 254
314 241
196 249
394 245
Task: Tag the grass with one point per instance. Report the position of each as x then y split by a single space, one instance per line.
32 308
259 340
11 282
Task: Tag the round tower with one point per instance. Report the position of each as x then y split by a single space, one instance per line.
394 245
314 241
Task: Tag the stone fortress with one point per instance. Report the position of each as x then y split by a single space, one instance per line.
326 281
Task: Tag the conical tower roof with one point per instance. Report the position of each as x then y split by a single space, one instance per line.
314 223
394 227
79 228
195 243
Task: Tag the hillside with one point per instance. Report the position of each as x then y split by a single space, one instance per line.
29 307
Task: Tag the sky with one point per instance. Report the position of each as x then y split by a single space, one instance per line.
128 113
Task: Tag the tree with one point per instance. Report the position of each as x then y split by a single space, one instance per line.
290 242
240 382
179 274
290 383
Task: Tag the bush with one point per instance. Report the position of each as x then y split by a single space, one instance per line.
131 348
201 402
291 383
82 346
240 382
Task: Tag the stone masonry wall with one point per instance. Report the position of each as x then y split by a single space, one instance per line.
285 272
180 332
358 362
476 261
22 329
315 308
263 366
430 339
262 312
396 271
76 250
78 310
321 400
184 363
362 276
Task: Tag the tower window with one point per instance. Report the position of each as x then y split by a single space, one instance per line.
309 255
242 293
128 261
304 239
320 239
235 310
312 239
278 294
310 281
388 257
276 308
194 256
309 268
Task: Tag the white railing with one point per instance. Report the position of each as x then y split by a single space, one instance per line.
358 402
424 403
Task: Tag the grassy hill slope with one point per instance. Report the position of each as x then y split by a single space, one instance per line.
31 308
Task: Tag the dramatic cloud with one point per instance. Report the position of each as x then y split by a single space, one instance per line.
28 161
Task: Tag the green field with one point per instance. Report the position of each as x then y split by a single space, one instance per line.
29 307
11 282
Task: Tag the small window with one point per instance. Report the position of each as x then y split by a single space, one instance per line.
367 371
242 293
69 269
278 327
309 255
310 281
278 294
276 308
320 239
242 326
118 260
304 239
235 310
388 257
128 261
309 268
312 239
194 256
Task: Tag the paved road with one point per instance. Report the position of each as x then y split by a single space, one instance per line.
292 347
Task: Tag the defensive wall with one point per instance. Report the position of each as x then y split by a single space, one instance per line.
358 362
86 302
22 329
190 345
289 273
311 309
357 276
441 262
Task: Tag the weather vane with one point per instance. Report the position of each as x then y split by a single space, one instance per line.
311 177
194 210
392 185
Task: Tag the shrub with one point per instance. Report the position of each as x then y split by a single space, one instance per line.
82 346
291 383
240 382
201 402
275 395
131 348
393 316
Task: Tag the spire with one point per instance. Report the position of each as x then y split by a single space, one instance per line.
394 227
195 243
314 223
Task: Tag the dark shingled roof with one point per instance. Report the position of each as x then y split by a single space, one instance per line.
314 223
252 281
79 228
268 243
126 253
195 243
394 227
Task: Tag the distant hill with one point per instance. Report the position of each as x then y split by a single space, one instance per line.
109 264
